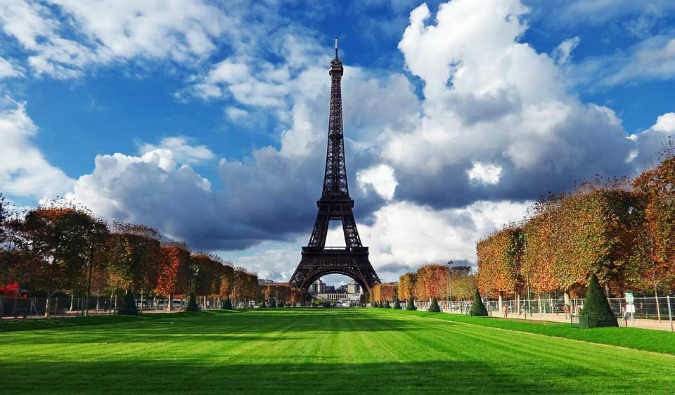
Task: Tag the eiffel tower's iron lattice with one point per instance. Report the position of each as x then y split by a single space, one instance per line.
335 204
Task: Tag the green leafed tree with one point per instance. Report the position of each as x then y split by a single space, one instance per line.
596 312
477 307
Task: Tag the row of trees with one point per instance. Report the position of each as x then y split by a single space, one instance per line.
63 248
430 281
623 231
280 295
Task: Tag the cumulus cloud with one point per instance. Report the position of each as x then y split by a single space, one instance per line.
181 150
109 31
380 178
491 99
24 171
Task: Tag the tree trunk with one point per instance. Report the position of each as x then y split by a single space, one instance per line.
170 306
658 308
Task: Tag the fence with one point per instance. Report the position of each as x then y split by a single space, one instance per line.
661 309
19 307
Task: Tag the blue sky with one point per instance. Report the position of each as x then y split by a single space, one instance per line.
208 119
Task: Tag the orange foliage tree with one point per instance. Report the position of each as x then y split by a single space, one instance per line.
655 255
433 281
499 261
407 286
384 292
174 273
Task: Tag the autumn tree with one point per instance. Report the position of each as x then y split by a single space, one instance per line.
133 254
433 281
174 271
654 258
62 236
407 286
499 262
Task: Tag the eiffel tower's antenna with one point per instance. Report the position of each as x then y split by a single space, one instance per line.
336 48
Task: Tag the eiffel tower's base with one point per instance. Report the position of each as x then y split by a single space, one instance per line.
318 261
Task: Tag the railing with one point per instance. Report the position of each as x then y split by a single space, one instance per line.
649 312
19 307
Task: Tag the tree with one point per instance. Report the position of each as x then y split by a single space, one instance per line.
192 303
499 262
411 304
63 237
397 305
128 304
477 307
654 257
432 282
227 305
174 274
407 286
596 311
433 306
134 258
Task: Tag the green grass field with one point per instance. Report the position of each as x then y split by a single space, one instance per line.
317 351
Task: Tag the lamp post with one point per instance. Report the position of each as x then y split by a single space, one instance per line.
450 263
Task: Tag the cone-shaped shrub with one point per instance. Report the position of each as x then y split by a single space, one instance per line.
478 308
273 303
386 305
433 306
281 303
128 305
596 312
227 305
410 305
263 305
374 304
397 305
192 303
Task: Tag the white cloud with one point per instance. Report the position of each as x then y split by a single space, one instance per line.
485 173
563 51
653 141
381 178
181 150
492 99
8 70
665 123
112 30
406 234
24 171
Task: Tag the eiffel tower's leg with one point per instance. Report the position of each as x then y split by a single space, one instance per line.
320 231
352 238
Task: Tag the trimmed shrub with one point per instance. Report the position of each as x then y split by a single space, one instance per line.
227 305
596 312
386 305
477 307
192 303
433 306
128 305
374 304
411 304
273 303
397 305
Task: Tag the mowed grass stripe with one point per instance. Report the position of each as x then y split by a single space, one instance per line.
317 351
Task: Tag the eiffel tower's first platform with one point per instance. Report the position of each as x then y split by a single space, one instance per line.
335 204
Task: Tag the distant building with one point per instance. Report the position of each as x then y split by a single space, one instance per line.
354 288
264 281
317 287
348 293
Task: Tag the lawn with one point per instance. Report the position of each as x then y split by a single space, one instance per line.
317 351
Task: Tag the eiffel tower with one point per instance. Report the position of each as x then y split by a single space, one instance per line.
335 204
